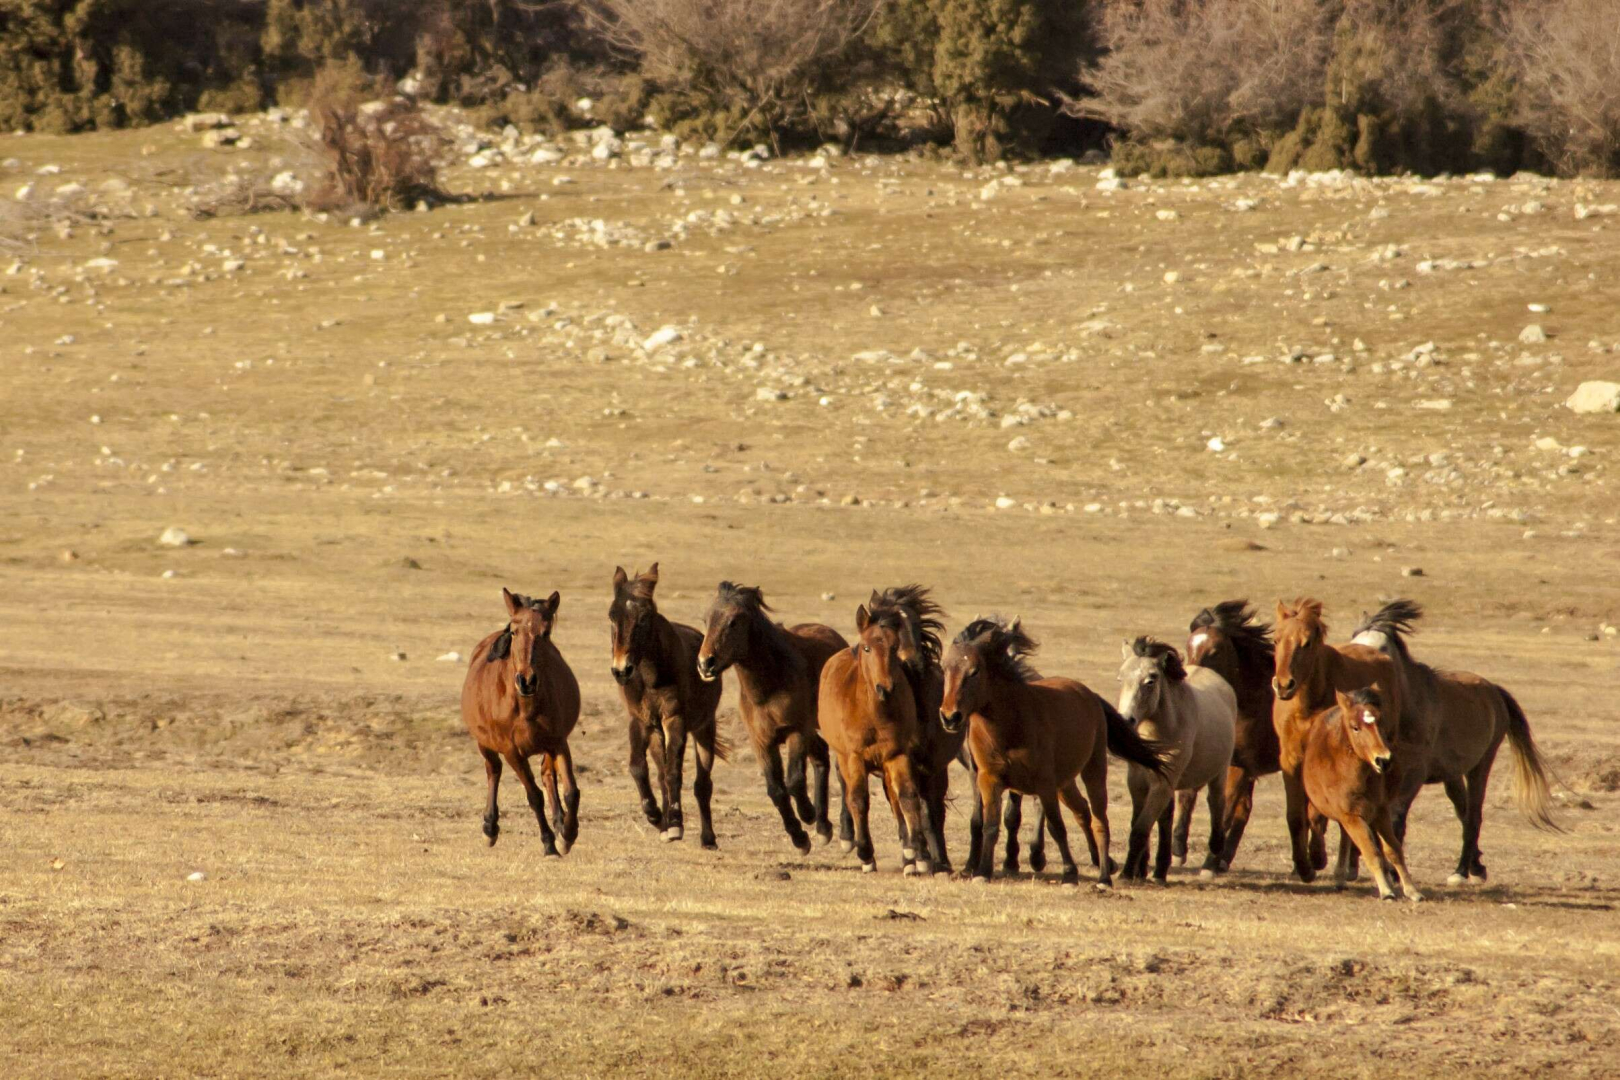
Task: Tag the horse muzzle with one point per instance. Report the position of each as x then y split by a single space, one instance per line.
1380 763
525 685
951 721
1284 691
883 692
708 671
622 675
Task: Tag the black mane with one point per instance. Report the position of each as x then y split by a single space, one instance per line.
1007 648
911 602
1237 620
1166 656
1395 619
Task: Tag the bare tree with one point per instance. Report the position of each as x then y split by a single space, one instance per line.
1566 58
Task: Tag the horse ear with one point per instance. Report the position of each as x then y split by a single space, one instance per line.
863 618
1017 624
553 602
513 602
1125 650
1283 612
651 576
874 598
619 576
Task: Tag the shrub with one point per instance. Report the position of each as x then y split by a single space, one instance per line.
378 155
1565 57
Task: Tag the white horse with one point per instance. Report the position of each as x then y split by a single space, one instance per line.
1195 713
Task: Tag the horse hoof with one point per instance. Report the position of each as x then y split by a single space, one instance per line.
979 879
912 870
1071 878
1181 860
909 854
672 834
825 837
846 846
489 840
802 846
1104 886
868 867
1206 874
710 844
1457 879
553 854
564 847
1224 866
1415 897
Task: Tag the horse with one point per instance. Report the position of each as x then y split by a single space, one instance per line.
520 699
1307 673
1230 641
1470 716
1343 768
1194 713
655 665
867 713
1035 736
779 679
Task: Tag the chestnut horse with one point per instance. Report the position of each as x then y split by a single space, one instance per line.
1194 714
520 699
778 681
867 714
1308 672
1470 716
655 665
1345 761
1035 736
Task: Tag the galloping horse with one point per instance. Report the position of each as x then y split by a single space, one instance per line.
1344 764
1035 736
778 679
1230 641
520 699
655 665
1193 714
1469 716
1308 673
867 713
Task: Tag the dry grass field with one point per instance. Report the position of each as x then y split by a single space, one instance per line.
1003 383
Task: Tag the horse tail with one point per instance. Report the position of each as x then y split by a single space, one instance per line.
1530 788
722 745
1123 741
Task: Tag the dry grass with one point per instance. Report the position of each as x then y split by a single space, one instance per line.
245 718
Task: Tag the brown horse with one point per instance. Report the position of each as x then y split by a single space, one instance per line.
1343 768
1307 673
655 665
520 699
867 713
1230 641
1469 717
778 680
1035 736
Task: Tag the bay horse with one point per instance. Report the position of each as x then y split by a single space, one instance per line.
520 699
655 665
867 714
1231 641
1307 673
1343 769
778 681
1192 713
1470 716
1035 736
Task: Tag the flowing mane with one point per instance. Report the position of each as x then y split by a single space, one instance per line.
1394 620
1165 655
747 597
1307 612
1238 622
1006 648
911 604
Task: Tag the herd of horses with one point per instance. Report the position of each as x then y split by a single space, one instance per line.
1355 730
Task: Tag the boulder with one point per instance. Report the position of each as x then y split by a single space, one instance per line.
1595 397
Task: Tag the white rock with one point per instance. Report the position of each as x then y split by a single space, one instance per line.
1217 444
451 657
765 393
1019 444
1004 503
661 337
481 318
196 875
175 537
1532 335
1595 397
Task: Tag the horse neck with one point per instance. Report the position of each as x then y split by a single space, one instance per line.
771 661
666 653
1006 702
1255 666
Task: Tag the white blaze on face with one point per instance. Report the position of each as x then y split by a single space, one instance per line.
1197 640
1368 718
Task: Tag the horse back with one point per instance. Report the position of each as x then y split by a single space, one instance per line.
816 643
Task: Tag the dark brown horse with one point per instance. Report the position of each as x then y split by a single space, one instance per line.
655 665
1343 769
1035 736
778 681
1468 716
1307 675
1230 641
520 699
867 713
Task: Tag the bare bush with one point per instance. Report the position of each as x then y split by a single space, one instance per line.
752 63
1565 56
380 155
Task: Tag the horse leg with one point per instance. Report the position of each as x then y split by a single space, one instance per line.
902 780
860 800
638 771
1013 822
1356 829
1393 852
570 786
770 758
537 803
796 747
1479 777
1069 795
1342 874
1143 817
1037 844
1167 824
1095 776
1318 838
492 809
1186 802
820 761
846 824
703 784
1215 799
548 780
934 793
674 764
1457 792
892 797
975 825
990 796
1239 799
1299 827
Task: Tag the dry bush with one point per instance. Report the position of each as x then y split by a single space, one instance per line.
379 155
747 64
1565 56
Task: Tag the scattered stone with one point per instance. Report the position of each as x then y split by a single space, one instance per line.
398 656
196 875
1595 397
661 337
175 537
482 318
1411 571
451 657
1532 335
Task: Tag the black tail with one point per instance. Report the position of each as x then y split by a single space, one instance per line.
1123 741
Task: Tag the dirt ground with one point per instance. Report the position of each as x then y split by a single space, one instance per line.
1098 409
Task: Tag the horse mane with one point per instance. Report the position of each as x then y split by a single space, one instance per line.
747 597
1308 611
912 602
1241 626
1008 647
638 588
750 600
1366 695
1163 654
1394 620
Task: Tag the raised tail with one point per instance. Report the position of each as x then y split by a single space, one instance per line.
1530 788
1123 741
